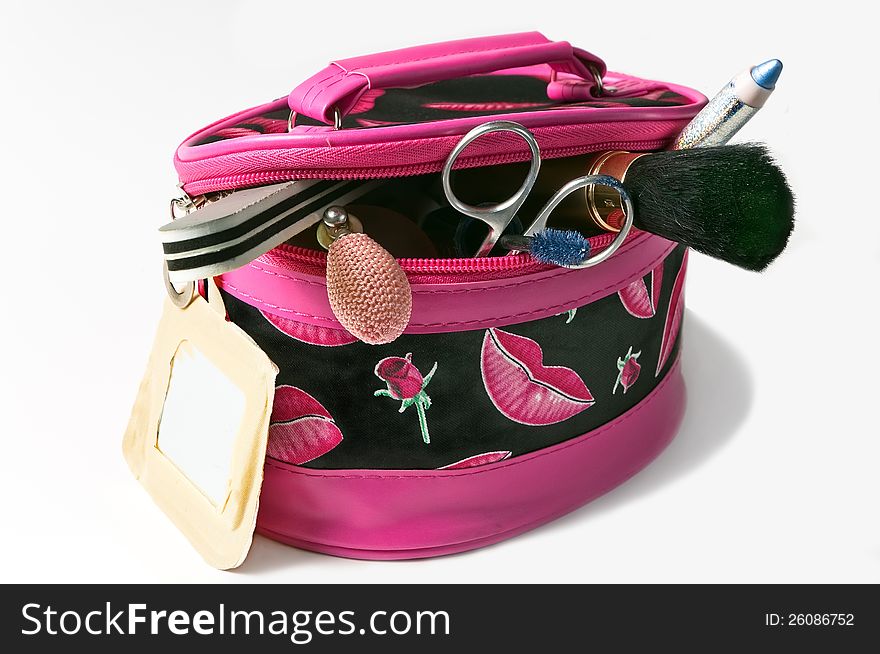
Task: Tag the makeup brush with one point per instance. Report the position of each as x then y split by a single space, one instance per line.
731 202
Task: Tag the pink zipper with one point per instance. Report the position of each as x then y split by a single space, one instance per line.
428 271
419 271
199 178
432 271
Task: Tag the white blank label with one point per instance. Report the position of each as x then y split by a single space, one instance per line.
200 421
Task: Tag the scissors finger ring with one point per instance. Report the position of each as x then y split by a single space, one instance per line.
496 216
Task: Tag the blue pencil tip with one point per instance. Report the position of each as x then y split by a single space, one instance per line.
766 74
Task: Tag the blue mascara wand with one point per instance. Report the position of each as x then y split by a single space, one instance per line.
554 246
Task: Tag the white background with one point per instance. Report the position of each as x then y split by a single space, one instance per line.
774 476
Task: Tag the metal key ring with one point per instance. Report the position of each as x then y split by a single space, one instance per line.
496 216
578 183
599 89
337 119
183 298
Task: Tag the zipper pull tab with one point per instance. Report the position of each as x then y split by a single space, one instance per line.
368 291
181 204
184 203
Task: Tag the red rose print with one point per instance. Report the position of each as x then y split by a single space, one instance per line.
405 383
403 378
525 390
629 370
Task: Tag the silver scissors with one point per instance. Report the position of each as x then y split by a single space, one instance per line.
499 216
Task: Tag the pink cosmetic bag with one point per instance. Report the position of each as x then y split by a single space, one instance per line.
519 390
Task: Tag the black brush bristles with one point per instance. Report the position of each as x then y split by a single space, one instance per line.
731 202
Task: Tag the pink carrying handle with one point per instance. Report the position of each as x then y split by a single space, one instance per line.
339 86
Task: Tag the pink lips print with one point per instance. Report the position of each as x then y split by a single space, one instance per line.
477 460
311 334
368 122
301 429
637 300
482 106
236 132
525 390
268 125
367 101
673 315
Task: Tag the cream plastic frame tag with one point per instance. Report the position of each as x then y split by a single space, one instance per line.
221 529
